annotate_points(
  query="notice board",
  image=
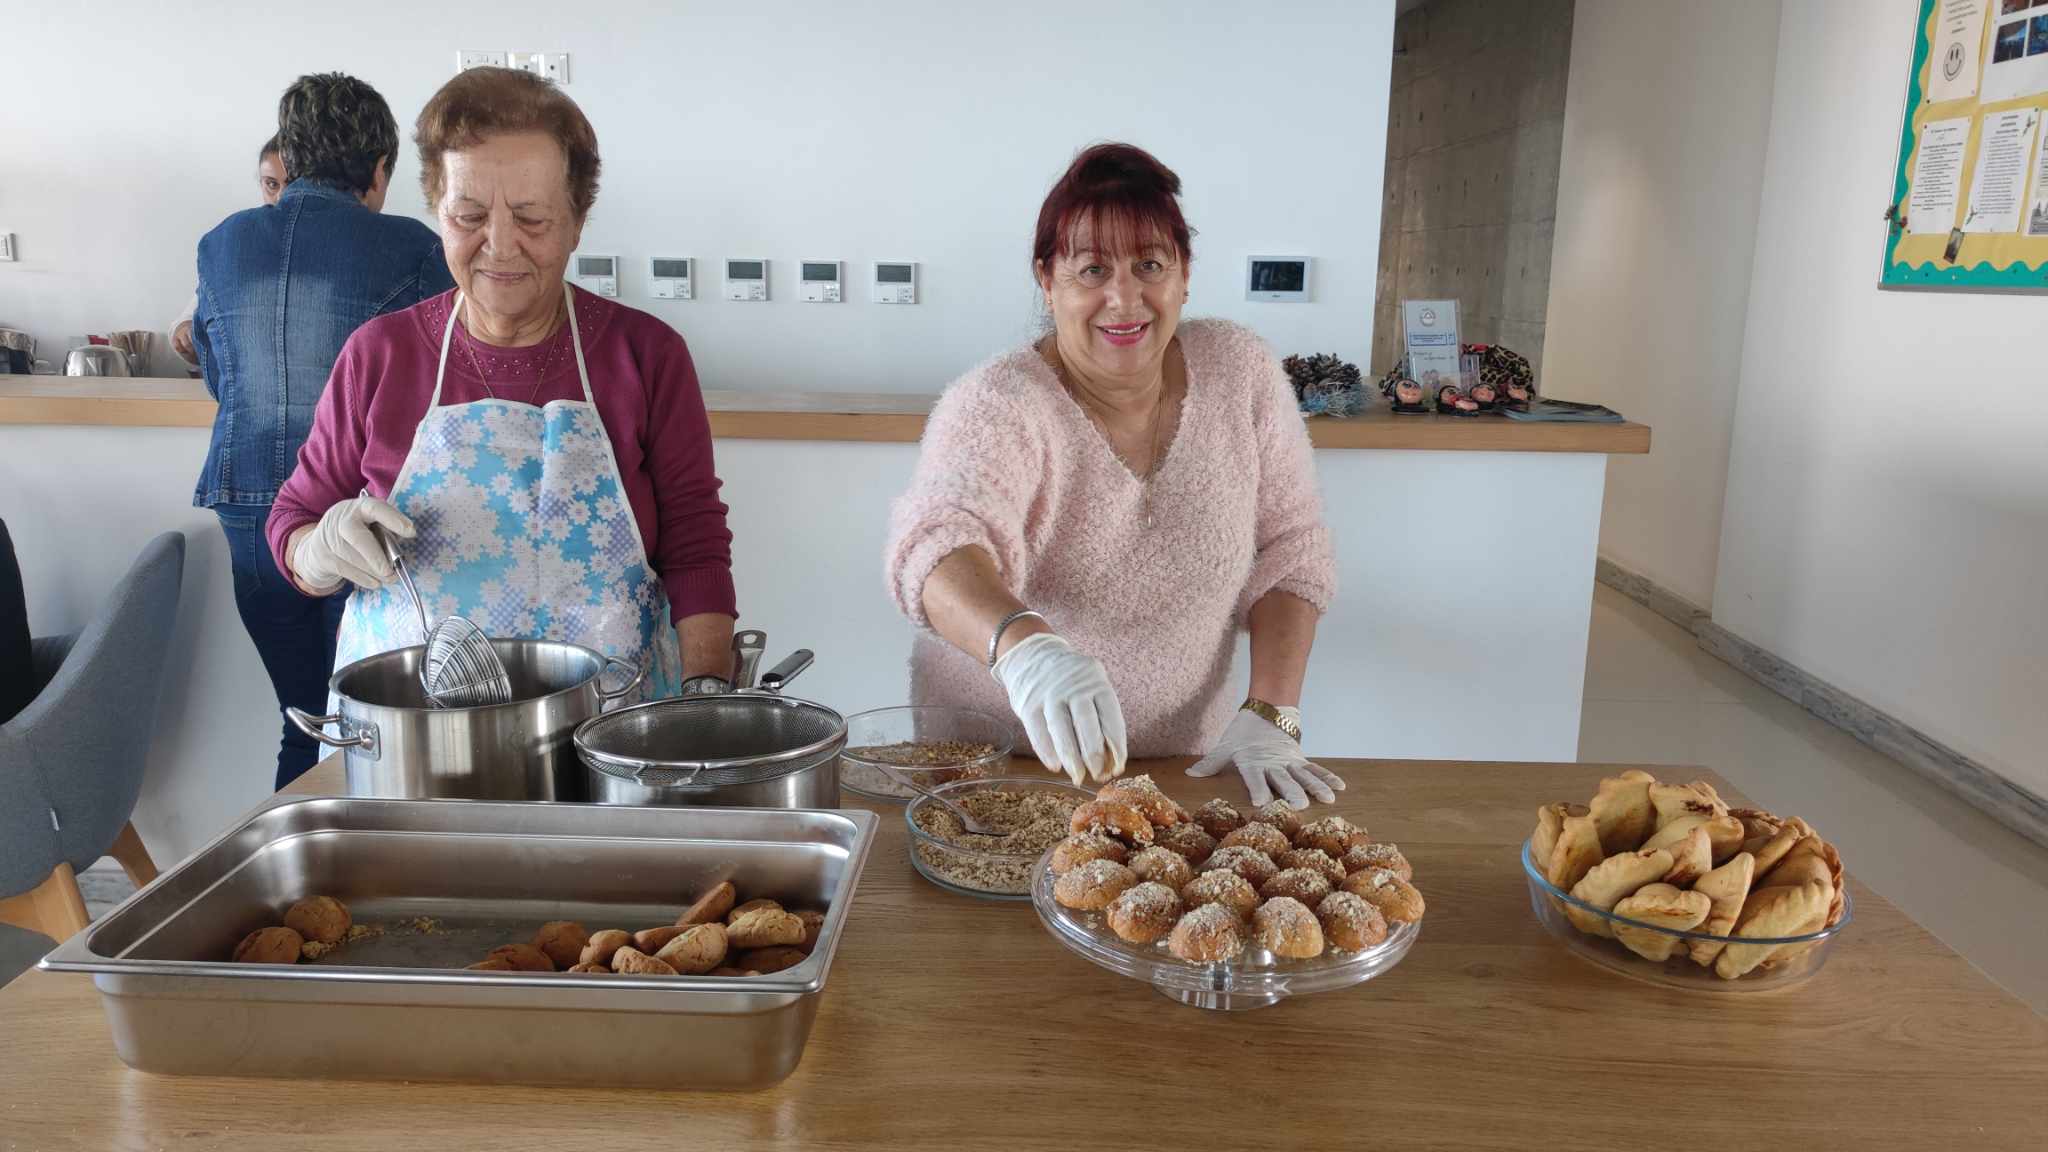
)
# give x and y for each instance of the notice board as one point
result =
(1970, 196)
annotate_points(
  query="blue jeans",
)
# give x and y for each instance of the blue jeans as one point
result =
(294, 633)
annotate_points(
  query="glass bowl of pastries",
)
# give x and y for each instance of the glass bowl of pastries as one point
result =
(1667, 883)
(1225, 910)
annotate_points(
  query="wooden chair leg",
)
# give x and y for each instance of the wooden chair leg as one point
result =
(56, 907)
(132, 856)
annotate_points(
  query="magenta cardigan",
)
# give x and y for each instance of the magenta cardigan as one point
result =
(646, 391)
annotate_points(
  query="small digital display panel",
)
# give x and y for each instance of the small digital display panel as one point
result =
(892, 273)
(828, 272)
(672, 269)
(1279, 275)
(746, 270)
(594, 266)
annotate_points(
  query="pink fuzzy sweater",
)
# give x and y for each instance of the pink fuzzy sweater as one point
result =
(1010, 463)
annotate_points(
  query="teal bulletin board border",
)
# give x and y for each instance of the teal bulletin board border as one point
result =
(1928, 275)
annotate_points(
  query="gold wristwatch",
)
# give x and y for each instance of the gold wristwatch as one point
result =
(1273, 716)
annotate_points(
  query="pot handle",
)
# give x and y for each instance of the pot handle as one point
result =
(316, 727)
(619, 693)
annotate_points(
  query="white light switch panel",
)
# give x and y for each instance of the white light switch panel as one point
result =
(6, 246)
(469, 58)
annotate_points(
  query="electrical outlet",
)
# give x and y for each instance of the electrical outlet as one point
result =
(468, 58)
(546, 65)
(527, 61)
(7, 246)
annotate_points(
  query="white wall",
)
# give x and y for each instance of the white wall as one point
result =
(738, 130)
(1666, 115)
(1887, 508)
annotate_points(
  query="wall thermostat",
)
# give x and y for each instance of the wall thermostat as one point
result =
(1277, 279)
(670, 276)
(599, 274)
(746, 279)
(895, 283)
(820, 281)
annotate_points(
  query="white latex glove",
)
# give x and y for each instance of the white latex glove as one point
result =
(1068, 708)
(340, 547)
(1261, 752)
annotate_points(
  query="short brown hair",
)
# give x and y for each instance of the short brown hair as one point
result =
(1124, 193)
(483, 102)
(333, 129)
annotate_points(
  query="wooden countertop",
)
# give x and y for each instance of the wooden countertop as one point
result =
(851, 416)
(956, 1023)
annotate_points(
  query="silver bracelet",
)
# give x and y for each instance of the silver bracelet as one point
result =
(997, 639)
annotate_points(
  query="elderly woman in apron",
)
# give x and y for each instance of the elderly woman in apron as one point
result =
(541, 454)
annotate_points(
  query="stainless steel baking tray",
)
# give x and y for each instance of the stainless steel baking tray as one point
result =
(400, 1005)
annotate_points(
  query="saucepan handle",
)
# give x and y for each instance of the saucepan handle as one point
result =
(365, 737)
(619, 693)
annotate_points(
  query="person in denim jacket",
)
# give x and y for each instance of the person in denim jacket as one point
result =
(281, 287)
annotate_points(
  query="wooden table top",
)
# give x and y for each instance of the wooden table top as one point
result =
(956, 1023)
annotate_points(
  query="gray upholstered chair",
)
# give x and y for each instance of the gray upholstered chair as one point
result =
(71, 762)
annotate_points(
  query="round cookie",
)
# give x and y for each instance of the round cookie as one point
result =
(1162, 865)
(1142, 793)
(1351, 922)
(269, 946)
(1207, 934)
(1280, 814)
(1333, 834)
(524, 957)
(1223, 887)
(1305, 885)
(1262, 837)
(1113, 817)
(321, 918)
(1386, 856)
(1286, 928)
(1190, 840)
(1316, 859)
(1250, 863)
(1092, 886)
(563, 941)
(1079, 849)
(1144, 912)
(1396, 899)
(1219, 818)
(604, 945)
(634, 962)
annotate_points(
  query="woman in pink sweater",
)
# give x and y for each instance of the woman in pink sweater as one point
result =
(1094, 516)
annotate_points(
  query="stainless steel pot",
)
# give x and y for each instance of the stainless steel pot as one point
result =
(400, 747)
(97, 360)
(745, 749)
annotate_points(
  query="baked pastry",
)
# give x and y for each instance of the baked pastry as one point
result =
(1621, 811)
(563, 941)
(1609, 881)
(740, 910)
(1773, 849)
(1219, 818)
(1142, 793)
(1144, 912)
(1262, 838)
(765, 927)
(1191, 841)
(1577, 850)
(603, 945)
(1351, 922)
(1092, 886)
(1772, 912)
(1305, 885)
(524, 957)
(1082, 847)
(490, 964)
(1377, 855)
(634, 962)
(1207, 934)
(1317, 860)
(1727, 887)
(1280, 814)
(1673, 801)
(1333, 834)
(1797, 869)
(1396, 898)
(712, 905)
(1224, 887)
(761, 961)
(1691, 858)
(814, 924)
(1163, 866)
(1665, 907)
(1246, 861)
(1114, 818)
(269, 946)
(321, 918)
(1549, 823)
(729, 970)
(1724, 834)
(652, 940)
(699, 949)
(581, 968)
(1285, 927)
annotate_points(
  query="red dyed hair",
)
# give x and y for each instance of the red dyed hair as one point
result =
(1125, 196)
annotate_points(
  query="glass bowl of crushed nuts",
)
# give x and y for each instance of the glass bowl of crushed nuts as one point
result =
(930, 745)
(1029, 814)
